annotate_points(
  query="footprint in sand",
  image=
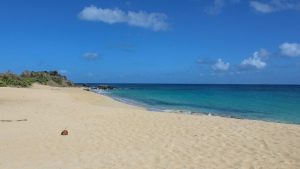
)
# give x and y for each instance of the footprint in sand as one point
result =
(13, 120)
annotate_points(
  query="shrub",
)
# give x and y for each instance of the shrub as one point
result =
(10, 79)
(2, 84)
(26, 79)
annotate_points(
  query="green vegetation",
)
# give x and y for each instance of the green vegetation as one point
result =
(2, 84)
(10, 79)
(27, 78)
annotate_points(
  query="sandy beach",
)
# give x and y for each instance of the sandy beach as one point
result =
(107, 134)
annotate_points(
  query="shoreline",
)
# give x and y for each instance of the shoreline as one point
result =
(186, 112)
(105, 133)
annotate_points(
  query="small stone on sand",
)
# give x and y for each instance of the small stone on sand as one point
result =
(64, 132)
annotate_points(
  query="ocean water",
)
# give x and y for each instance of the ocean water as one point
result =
(277, 103)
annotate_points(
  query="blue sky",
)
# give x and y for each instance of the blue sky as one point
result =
(149, 41)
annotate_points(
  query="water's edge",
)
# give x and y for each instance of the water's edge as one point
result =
(187, 112)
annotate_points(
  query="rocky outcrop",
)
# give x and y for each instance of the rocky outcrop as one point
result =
(105, 87)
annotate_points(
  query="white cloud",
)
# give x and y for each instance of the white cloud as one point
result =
(261, 7)
(90, 56)
(154, 21)
(262, 53)
(220, 65)
(290, 49)
(255, 61)
(275, 5)
(218, 5)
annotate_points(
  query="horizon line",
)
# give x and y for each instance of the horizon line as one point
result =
(192, 83)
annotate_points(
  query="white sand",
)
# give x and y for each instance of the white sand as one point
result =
(106, 134)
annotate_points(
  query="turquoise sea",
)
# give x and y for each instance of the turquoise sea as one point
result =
(277, 103)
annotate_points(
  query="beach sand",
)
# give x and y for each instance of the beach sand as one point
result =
(106, 134)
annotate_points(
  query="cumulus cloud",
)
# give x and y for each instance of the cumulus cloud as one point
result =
(290, 49)
(153, 21)
(220, 65)
(258, 61)
(90, 56)
(262, 53)
(255, 61)
(275, 5)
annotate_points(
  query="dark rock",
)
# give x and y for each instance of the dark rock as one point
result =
(82, 85)
(64, 133)
(105, 87)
